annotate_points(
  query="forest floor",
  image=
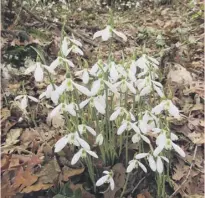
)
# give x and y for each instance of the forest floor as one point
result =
(172, 33)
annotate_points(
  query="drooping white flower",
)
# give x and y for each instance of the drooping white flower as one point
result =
(168, 106)
(121, 111)
(97, 102)
(99, 139)
(124, 85)
(127, 125)
(74, 48)
(73, 139)
(82, 153)
(135, 163)
(24, 100)
(82, 128)
(38, 68)
(108, 32)
(138, 136)
(108, 178)
(159, 163)
(60, 61)
(163, 142)
(50, 93)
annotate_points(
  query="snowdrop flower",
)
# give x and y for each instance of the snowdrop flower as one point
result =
(124, 85)
(146, 85)
(97, 102)
(159, 163)
(168, 106)
(70, 108)
(163, 142)
(38, 68)
(121, 111)
(84, 75)
(24, 100)
(50, 93)
(108, 32)
(97, 68)
(82, 129)
(138, 136)
(73, 139)
(99, 139)
(82, 153)
(108, 178)
(135, 163)
(59, 61)
(126, 125)
(74, 48)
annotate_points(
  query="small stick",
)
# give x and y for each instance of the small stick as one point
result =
(187, 177)
(138, 184)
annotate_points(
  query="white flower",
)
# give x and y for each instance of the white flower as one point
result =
(99, 139)
(97, 102)
(107, 33)
(121, 111)
(108, 178)
(135, 163)
(82, 129)
(168, 106)
(127, 125)
(38, 68)
(59, 61)
(163, 142)
(98, 68)
(74, 48)
(85, 76)
(146, 85)
(50, 93)
(82, 153)
(73, 139)
(24, 100)
(159, 163)
(138, 136)
(124, 85)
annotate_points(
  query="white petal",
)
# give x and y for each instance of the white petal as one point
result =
(112, 183)
(115, 114)
(100, 108)
(61, 143)
(85, 76)
(158, 150)
(142, 167)
(98, 34)
(82, 89)
(77, 50)
(130, 87)
(99, 139)
(106, 172)
(30, 69)
(136, 138)
(91, 130)
(18, 97)
(76, 42)
(55, 63)
(84, 103)
(131, 166)
(178, 150)
(140, 84)
(111, 86)
(38, 74)
(94, 69)
(64, 46)
(132, 116)
(102, 180)
(95, 87)
(135, 128)
(173, 110)
(24, 102)
(146, 90)
(83, 143)
(70, 63)
(145, 139)
(159, 91)
(141, 155)
(32, 98)
(55, 111)
(92, 153)
(160, 165)
(70, 109)
(152, 163)
(50, 69)
(158, 109)
(106, 33)
(120, 34)
(122, 128)
(76, 157)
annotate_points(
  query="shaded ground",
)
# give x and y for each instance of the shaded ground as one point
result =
(172, 33)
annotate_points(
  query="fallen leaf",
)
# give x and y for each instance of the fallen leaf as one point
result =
(140, 196)
(36, 187)
(196, 138)
(69, 172)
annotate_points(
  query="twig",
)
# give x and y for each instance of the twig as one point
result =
(138, 184)
(187, 177)
(67, 28)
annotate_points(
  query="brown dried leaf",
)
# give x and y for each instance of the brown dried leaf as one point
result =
(69, 172)
(36, 187)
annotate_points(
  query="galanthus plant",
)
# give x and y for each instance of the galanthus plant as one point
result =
(114, 105)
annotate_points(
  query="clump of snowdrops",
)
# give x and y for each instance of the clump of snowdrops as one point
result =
(117, 104)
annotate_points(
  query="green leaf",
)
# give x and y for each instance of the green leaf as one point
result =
(60, 196)
(66, 190)
(78, 193)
